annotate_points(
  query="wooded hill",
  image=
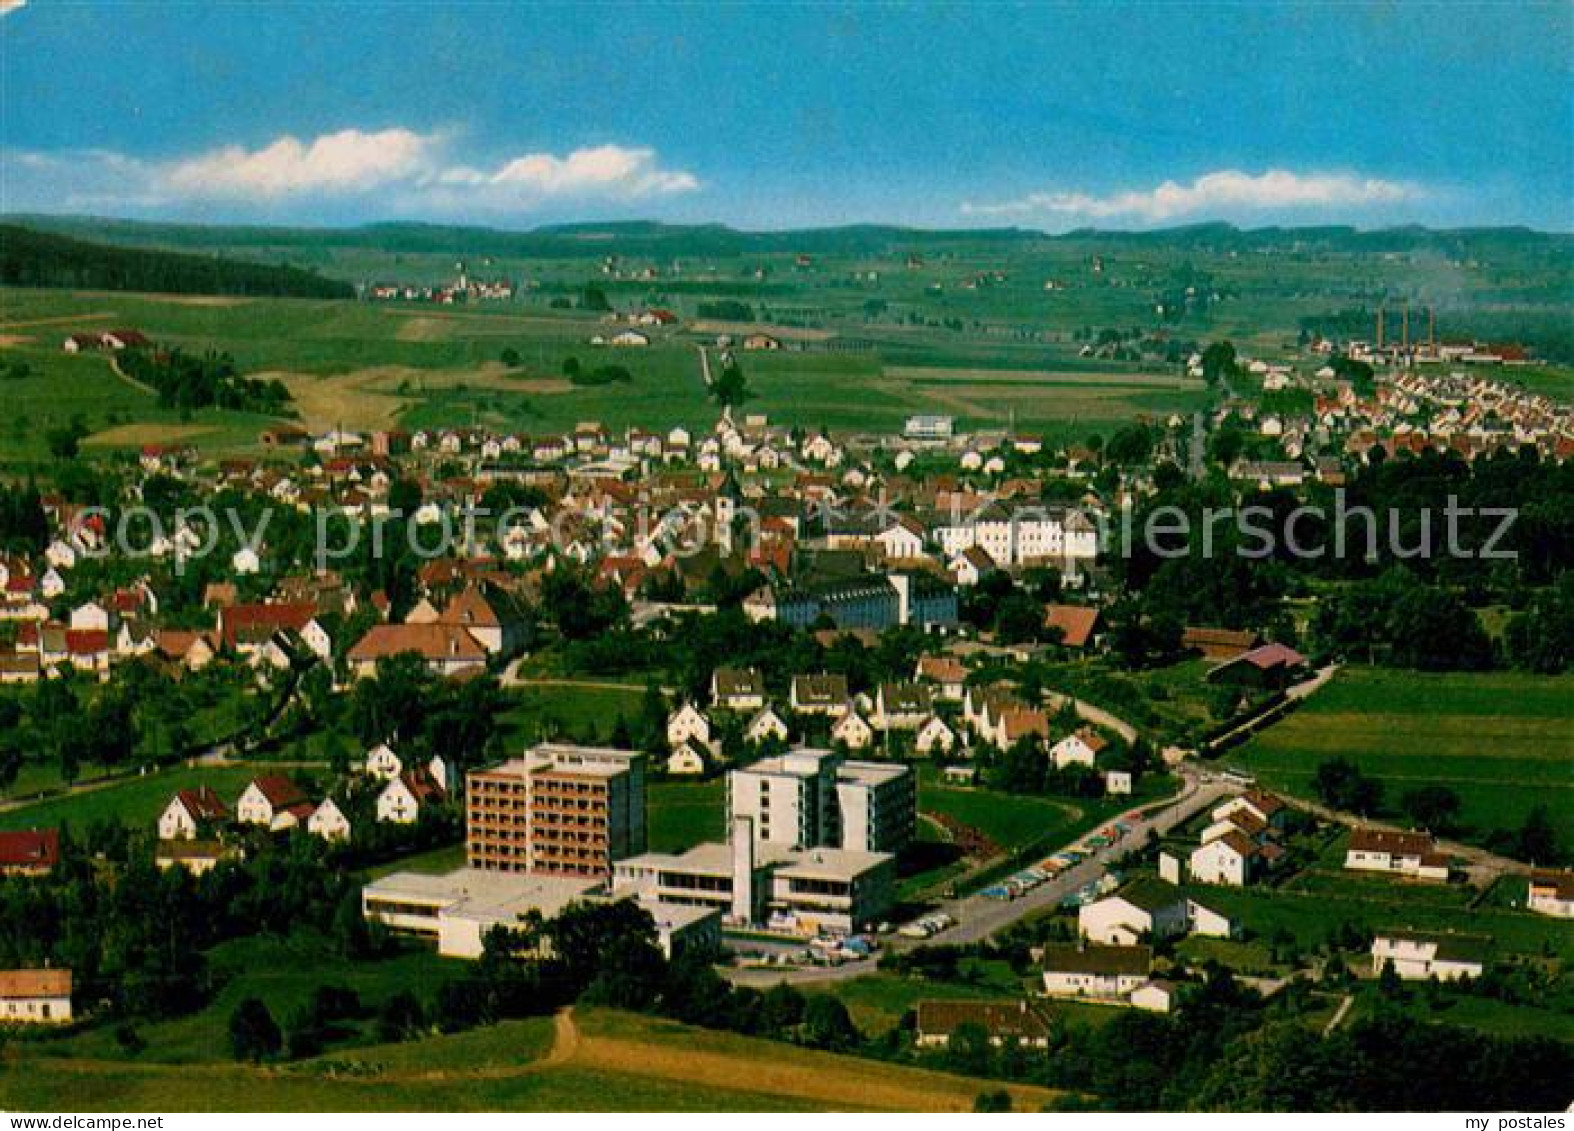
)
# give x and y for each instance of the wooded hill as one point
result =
(40, 259)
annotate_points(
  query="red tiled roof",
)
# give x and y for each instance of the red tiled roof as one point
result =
(33, 848)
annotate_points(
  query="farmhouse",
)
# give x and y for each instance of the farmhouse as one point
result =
(35, 997)
(1219, 643)
(1417, 957)
(1023, 1023)
(1413, 854)
(1552, 893)
(1106, 972)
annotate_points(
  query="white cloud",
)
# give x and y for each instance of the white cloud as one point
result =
(604, 170)
(1226, 192)
(347, 161)
(9, 6)
(414, 170)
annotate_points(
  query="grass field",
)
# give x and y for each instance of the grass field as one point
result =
(601, 1062)
(680, 814)
(1503, 741)
(566, 710)
(368, 366)
(1310, 913)
(134, 801)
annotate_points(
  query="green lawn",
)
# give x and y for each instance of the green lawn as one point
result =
(134, 801)
(680, 814)
(283, 973)
(1311, 915)
(567, 711)
(1010, 820)
(1503, 741)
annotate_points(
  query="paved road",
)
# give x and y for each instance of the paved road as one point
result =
(977, 917)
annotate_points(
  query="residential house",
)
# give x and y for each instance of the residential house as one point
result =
(1155, 995)
(946, 673)
(448, 650)
(901, 706)
(272, 801)
(328, 822)
(1152, 909)
(35, 997)
(934, 736)
(1024, 1023)
(189, 811)
(1410, 854)
(383, 763)
(1077, 624)
(818, 694)
(688, 759)
(765, 726)
(1233, 859)
(401, 800)
(1079, 749)
(688, 725)
(737, 689)
(1552, 893)
(852, 731)
(1108, 973)
(1444, 955)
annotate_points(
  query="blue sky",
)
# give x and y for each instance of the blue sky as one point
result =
(1047, 115)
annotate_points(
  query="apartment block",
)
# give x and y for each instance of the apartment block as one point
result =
(559, 810)
(814, 799)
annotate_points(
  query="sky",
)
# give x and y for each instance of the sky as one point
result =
(1051, 115)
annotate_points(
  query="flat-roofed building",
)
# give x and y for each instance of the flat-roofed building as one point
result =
(809, 891)
(456, 911)
(809, 798)
(879, 805)
(559, 810)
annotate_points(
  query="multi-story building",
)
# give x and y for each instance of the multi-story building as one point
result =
(791, 799)
(813, 798)
(878, 804)
(557, 811)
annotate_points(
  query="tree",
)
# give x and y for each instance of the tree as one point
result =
(827, 1024)
(1434, 807)
(254, 1035)
(1218, 363)
(968, 1050)
(400, 1018)
(510, 357)
(997, 1101)
(730, 388)
(1538, 838)
(1340, 784)
(594, 298)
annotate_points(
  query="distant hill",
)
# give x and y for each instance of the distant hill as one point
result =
(657, 240)
(30, 258)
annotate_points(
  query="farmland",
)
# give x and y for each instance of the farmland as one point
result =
(597, 1061)
(1503, 741)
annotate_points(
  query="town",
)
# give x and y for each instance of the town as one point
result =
(795, 558)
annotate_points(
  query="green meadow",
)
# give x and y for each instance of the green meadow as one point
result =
(1503, 741)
